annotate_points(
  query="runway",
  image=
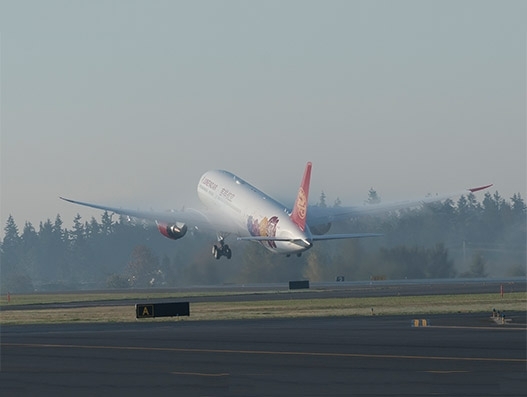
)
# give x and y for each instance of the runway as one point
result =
(377, 355)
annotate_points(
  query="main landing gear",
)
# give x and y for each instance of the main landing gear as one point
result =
(222, 250)
(298, 255)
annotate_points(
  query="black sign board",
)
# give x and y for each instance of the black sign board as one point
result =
(172, 309)
(299, 284)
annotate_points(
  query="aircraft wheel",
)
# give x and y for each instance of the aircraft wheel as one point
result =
(227, 251)
(216, 252)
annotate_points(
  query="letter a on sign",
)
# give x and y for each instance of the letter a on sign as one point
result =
(142, 311)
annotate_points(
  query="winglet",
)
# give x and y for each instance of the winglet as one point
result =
(477, 189)
(300, 209)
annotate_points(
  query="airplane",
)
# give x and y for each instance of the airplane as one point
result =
(234, 206)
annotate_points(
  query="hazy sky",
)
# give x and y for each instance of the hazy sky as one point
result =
(130, 102)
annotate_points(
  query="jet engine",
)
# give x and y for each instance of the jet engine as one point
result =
(172, 232)
(320, 229)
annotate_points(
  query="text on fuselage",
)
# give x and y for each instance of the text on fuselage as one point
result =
(226, 194)
(210, 184)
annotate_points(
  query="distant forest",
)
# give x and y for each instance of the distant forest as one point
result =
(463, 238)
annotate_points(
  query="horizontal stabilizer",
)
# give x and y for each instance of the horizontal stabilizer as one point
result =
(300, 242)
(265, 238)
(344, 236)
(314, 238)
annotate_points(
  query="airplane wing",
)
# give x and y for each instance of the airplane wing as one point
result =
(191, 217)
(323, 215)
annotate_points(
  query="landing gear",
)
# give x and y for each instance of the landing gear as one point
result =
(298, 255)
(221, 250)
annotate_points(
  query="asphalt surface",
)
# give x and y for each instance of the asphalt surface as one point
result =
(455, 355)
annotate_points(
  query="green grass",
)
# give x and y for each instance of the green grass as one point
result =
(243, 309)
(362, 306)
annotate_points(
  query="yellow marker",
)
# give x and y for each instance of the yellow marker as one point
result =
(145, 311)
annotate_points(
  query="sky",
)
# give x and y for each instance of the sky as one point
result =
(128, 103)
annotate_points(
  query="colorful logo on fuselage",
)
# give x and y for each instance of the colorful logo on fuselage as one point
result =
(263, 228)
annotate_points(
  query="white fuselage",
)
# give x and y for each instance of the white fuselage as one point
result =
(252, 212)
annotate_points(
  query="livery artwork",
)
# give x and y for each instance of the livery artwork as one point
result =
(263, 228)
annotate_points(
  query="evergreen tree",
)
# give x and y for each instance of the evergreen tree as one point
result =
(59, 250)
(322, 201)
(78, 252)
(106, 224)
(29, 244)
(78, 233)
(46, 271)
(373, 197)
(93, 228)
(10, 253)
(518, 205)
(53, 267)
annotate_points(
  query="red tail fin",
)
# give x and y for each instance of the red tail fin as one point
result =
(300, 209)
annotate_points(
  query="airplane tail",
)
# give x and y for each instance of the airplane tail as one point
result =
(300, 209)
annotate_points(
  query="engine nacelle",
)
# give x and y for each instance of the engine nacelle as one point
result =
(320, 229)
(173, 232)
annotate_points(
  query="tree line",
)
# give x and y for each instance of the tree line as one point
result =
(463, 238)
